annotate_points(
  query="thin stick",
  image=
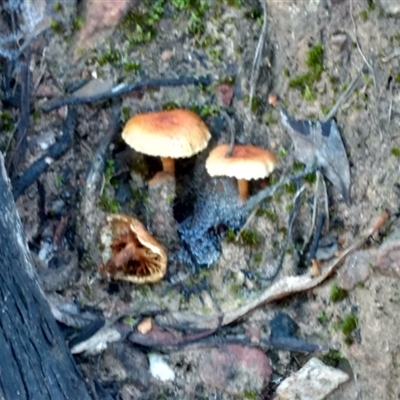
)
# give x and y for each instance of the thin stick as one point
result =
(232, 132)
(390, 57)
(314, 212)
(354, 84)
(292, 217)
(247, 223)
(255, 70)
(270, 190)
(391, 102)
(358, 44)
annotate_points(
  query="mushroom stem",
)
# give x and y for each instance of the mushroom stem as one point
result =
(168, 164)
(243, 187)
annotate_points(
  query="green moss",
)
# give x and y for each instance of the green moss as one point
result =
(363, 15)
(305, 82)
(230, 235)
(110, 56)
(196, 10)
(205, 110)
(228, 80)
(56, 26)
(290, 188)
(255, 104)
(257, 258)
(349, 324)
(332, 358)
(322, 318)
(286, 72)
(171, 105)
(395, 151)
(254, 14)
(77, 24)
(106, 202)
(315, 59)
(6, 122)
(131, 66)
(250, 237)
(250, 395)
(325, 109)
(282, 152)
(397, 78)
(371, 5)
(267, 213)
(311, 178)
(57, 7)
(270, 118)
(337, 293)
(140, 26)
(125, 114)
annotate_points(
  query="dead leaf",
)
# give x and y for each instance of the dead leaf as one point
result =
(320, 142)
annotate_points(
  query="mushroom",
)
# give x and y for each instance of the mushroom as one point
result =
(246, 162)
(167, 134)
(129, 252)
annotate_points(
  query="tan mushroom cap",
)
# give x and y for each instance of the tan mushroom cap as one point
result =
(175, 133)
(129, 252)
(246, 162)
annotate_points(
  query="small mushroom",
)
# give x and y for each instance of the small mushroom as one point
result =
(167, 134)
(246, 162)
(129, 252)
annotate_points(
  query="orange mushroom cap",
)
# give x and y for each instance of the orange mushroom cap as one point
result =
(246, 162)
(174, 133)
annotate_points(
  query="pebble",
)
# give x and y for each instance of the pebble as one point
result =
(235, 369)
(314, 381)
(355, 270)
(159, 369)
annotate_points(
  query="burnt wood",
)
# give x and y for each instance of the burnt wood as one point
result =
(35, 362)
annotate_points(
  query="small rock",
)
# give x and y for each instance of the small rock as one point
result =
(388, 259)
(283, 326)
(338, 40)
(235, 369)
(391, 7)
(356, 269)
(166, 55)
(159, 369)
(314, 381)
(225, 93)
(123, 363)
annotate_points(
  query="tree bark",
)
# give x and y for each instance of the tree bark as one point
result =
(35, 362)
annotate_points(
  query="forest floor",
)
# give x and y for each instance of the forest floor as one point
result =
(313, 50)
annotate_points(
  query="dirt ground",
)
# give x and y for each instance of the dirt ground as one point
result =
(133, 41)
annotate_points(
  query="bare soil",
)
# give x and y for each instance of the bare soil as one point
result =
(222, 45)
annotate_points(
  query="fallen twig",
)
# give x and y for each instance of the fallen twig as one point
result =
(122, 89)
(354, 84)
(292, 217)
(270, 190)
(285, 287)
(371, 69)
(54, 152)
(255, 70)
(390, 57)
(89, 211)
(317, 236)
(232, 132)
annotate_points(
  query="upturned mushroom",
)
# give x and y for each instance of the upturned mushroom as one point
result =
(167, 134)
(129, 252)
(246, 162)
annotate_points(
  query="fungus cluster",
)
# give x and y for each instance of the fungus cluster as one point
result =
(129, 252)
